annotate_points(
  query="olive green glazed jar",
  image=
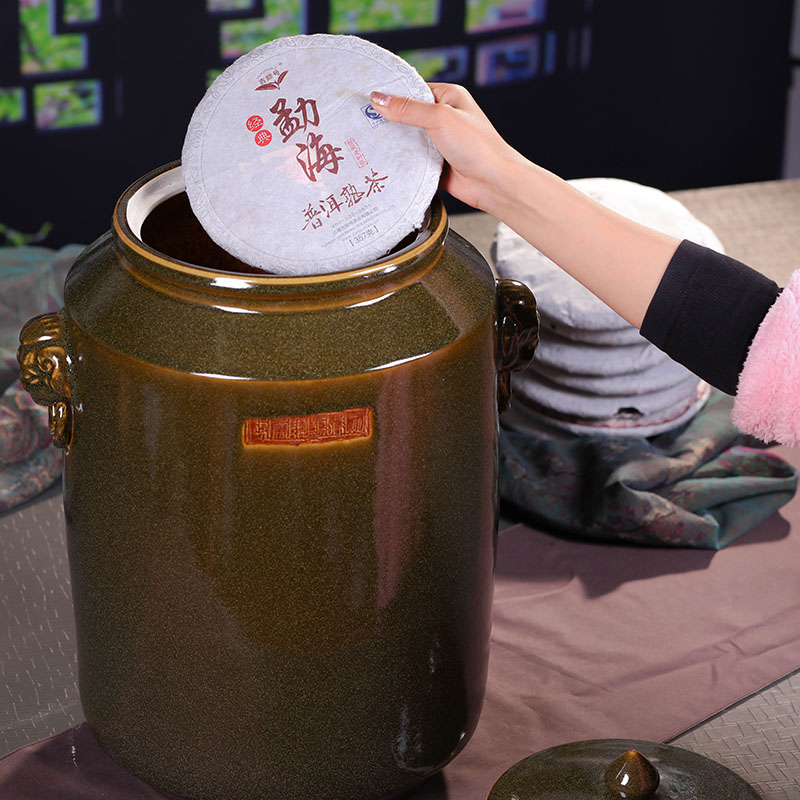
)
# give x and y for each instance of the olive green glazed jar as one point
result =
(281, 503)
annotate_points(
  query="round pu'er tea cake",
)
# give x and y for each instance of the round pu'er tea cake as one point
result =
(288, 166)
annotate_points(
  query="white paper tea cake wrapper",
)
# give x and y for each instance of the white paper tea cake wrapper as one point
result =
(290, 169)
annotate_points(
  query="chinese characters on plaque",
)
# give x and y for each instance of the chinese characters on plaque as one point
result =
(328, 426)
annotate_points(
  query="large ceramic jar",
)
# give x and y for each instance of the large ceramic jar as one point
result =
(280, 496)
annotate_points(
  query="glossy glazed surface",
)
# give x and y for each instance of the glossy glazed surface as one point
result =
(631, 776)
(579, 771)
(276, 620)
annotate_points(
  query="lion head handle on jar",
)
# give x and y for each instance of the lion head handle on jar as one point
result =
(44, 371)
(517, 334)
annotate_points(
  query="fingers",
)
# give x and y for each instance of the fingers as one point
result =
(405, 109)
(453, 95)
(448, 97)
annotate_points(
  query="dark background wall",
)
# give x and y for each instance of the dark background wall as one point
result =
(671, 93)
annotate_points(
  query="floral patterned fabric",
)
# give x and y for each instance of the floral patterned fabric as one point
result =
(697, 486)
(31, 283)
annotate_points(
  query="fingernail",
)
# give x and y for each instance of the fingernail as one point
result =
(379, 99)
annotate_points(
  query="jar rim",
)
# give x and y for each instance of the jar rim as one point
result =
(144, 195)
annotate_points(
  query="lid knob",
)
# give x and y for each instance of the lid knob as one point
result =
(631, 777)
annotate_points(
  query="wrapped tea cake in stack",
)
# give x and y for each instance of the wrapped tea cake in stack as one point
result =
(290, 169)
(593, 373)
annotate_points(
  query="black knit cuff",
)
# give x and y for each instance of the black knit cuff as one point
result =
(706, 312)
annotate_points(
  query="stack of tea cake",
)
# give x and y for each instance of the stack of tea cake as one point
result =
(593, 373)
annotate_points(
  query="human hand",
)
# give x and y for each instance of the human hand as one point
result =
(620, 261)
(477, 156)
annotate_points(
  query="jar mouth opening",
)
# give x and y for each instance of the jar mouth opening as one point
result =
(149, 196)
(154, 217)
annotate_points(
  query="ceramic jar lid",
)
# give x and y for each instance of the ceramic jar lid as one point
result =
(619, 769)
(289, 168)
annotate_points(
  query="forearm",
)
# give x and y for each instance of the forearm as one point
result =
(705, 310)
(620, 261)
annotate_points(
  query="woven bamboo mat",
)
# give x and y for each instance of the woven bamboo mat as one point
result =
(758, 739)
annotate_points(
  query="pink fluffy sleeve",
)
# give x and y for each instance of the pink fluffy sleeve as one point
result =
(767, 402)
